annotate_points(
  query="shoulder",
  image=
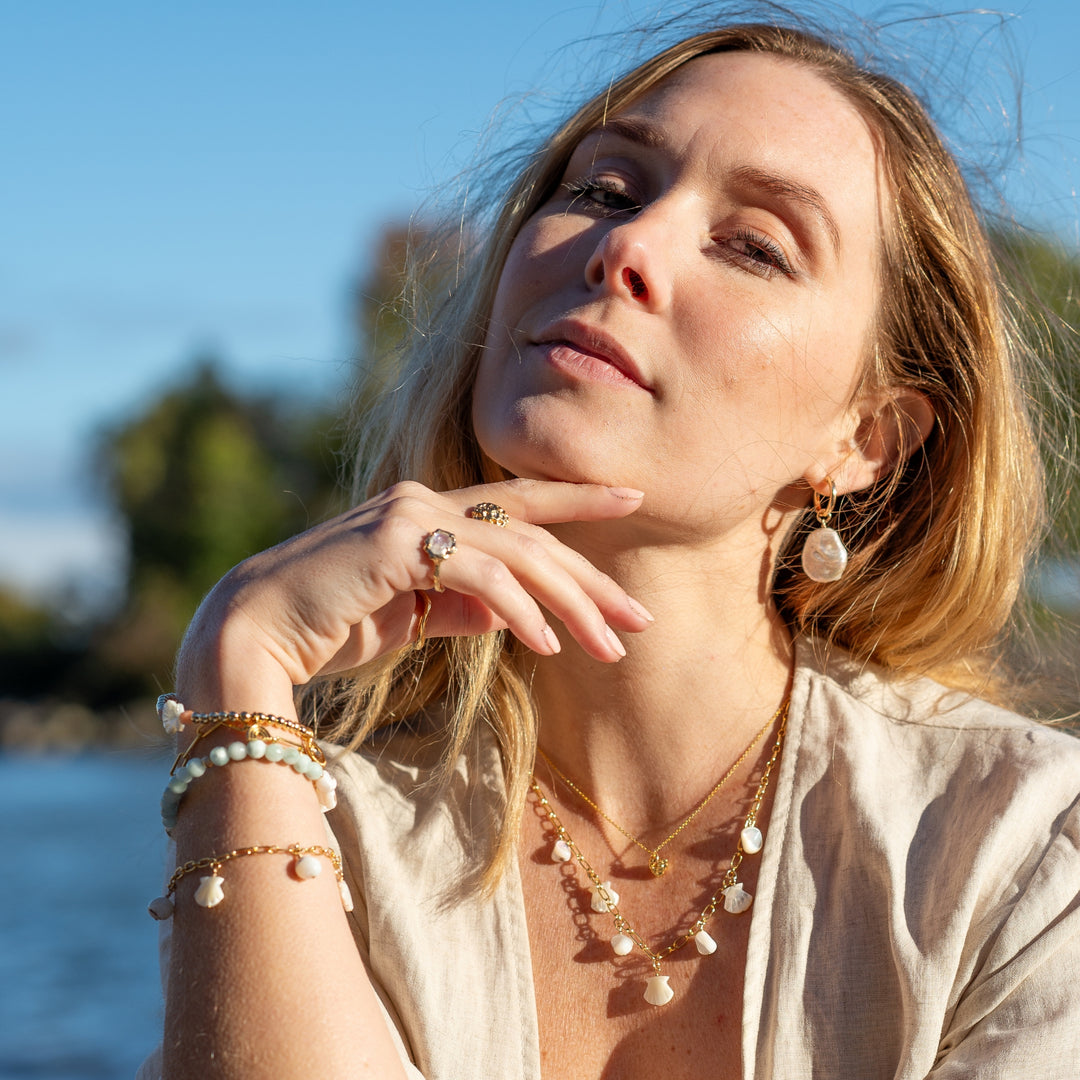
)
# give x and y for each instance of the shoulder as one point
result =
(925, 732)
(911, 780)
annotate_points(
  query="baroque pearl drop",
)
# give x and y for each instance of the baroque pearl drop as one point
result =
(657, 991)
(346, 895)
(598, 903)
(560, 852)
(824, 555)
(751, 840)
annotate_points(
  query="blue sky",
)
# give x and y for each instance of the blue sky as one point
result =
(210, 176)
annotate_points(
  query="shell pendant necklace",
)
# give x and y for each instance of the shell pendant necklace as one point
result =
(735, 899)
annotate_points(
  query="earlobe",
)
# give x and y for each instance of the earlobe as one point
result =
(888, 430)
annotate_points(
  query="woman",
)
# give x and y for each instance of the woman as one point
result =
(739, 310)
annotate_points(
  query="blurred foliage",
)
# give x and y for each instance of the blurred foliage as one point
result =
(203, 478)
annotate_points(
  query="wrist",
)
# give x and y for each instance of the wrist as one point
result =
(225, 664)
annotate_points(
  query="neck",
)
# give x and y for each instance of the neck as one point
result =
(648, 736)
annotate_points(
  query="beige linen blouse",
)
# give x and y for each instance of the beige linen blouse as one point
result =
(917, 910)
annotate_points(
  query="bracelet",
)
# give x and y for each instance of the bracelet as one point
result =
(174, 715)
(255, 732)
(210, 892)
(258, 750)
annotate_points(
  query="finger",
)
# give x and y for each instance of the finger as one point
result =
(552, 502)
(514, 584)
(545, 502)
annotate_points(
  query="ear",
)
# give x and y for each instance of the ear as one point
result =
(888, 428)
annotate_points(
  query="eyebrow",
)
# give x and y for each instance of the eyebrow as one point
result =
(645, 134)
(785, 188)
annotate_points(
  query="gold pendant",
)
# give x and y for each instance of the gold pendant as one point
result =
(657, 865)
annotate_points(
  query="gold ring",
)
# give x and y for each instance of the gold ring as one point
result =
(438, 547)
(422, 598)
(492, 512)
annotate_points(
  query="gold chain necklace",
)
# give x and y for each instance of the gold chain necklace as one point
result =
(657, 865)
(731, 893)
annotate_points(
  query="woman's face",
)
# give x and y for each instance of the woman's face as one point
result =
(689, 312)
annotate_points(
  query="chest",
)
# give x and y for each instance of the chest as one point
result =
(593, 1019)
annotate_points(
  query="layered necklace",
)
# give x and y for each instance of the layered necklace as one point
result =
(734, 898)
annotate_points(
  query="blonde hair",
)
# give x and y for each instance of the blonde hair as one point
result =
(938, 547)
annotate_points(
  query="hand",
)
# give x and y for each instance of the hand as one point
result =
(342, 593)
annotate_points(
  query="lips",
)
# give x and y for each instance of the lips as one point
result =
(591, 342)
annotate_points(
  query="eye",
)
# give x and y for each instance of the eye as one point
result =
(757, 252)
(600, 196)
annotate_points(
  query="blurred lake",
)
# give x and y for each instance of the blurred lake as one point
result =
(83, 850)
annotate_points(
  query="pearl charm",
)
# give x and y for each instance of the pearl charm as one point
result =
(824, 556)
(622, 944)
(560, 851)
(751, 840)
(345, 894)
(161, 908)
(307, 867)
(598, 903)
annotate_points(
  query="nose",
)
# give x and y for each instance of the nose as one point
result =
(633, 261)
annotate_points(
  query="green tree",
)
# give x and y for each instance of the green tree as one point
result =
(203, 478)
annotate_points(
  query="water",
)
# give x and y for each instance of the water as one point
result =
(82, 850)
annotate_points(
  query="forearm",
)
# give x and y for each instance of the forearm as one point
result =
(268, 982)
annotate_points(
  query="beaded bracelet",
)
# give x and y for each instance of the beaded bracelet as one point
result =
(257, 750)
(210, 892)
(174, 715)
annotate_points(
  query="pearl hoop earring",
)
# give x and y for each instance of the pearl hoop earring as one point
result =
(824, 556)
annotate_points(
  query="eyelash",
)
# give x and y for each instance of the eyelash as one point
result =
(589, 186)
(587, 189)
(778, 261)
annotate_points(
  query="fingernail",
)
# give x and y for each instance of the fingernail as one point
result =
(614, 641)
(551, 639)
(639, 609)
(627, 493)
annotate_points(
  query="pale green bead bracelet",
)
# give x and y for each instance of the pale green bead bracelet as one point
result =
(256, 750)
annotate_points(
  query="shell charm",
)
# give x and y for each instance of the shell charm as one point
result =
(657, 991)
(657, 865)
(704, 943)
(560, 851)
(736, 899)
(751, 840)
(209, 893)
(622, 944)
(170, 710)
(824, 556)
(598, 903)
